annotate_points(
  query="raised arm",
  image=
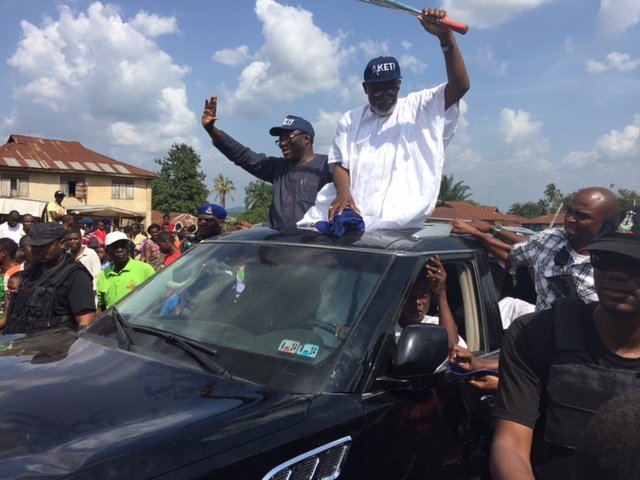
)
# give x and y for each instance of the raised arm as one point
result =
(497, 247)
(457, 77)
(437, 283)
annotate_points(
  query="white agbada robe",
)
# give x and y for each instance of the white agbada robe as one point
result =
(395, 162)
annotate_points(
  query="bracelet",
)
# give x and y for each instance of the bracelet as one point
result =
(448, 47)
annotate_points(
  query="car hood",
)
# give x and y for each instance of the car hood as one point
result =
(70, 404)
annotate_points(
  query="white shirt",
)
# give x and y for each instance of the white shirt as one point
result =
(15, 233)
(395, 162)
(431, 320)
(89, 258)
(512, 308)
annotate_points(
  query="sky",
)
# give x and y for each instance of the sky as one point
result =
(555, 84)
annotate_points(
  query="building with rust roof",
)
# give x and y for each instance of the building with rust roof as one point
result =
(447, 211)
(33, 169)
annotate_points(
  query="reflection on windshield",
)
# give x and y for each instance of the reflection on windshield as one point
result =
(273, 311)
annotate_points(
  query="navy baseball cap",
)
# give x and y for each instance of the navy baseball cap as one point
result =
(382, 69)
(620, 233)
(291, 123)
(212, 209)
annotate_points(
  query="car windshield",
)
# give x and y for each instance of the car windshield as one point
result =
(276, 315)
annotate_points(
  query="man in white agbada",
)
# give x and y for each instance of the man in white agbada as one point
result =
(389, 153)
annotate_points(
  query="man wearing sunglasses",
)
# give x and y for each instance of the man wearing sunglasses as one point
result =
(389, 153)
(297, 176)
(560, 365)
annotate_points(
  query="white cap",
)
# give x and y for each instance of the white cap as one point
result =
(114, 237)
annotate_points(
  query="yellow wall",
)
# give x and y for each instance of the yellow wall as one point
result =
(43, 185)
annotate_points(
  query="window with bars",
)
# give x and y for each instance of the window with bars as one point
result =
(122, 189)
(12, 185)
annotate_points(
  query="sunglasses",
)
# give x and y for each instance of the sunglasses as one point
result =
(288, 138)
(606, 261)
(379, 92)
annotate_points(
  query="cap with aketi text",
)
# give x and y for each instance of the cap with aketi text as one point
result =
(382, 69)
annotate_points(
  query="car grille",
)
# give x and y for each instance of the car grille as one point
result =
(323, 463)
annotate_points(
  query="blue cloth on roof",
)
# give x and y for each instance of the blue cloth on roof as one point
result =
(347, 221)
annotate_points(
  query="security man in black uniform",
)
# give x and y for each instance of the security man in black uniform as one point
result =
(56, 291)
(558, 366)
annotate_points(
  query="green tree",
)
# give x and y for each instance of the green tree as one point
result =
(628, 198)
(181, 184)
(528, 209)
(552, 197)
(257, 194)
(223, 186)
(255, 216)
(453, 192)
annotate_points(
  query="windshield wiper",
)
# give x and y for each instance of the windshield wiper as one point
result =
(200, 353)
(123, 329)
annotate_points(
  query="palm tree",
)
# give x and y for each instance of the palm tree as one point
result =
(453, 192)
(223, 186)
(257, 194)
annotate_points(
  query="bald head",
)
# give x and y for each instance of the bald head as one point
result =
(585, 213)
(605, 198)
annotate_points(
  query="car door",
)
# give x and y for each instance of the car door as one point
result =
(441, 429)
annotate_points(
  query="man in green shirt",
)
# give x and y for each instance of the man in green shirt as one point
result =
(123, 274)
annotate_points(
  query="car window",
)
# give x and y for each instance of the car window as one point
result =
(262, 306)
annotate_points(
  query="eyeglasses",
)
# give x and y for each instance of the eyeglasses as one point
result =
(606, 261)
(390, 91)
(289, 137)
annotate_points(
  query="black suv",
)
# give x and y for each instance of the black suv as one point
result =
(260, 355)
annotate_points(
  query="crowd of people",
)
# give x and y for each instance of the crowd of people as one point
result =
(63, 273)
(562, 358)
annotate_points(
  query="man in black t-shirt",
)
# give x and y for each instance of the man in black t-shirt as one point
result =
(297, 176)
(56, 291)
(558, 366)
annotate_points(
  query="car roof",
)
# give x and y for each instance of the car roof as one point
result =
(428, 239)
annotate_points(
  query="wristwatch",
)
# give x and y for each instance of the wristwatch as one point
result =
(496, 230)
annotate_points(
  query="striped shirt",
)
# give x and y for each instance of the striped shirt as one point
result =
(560, 271)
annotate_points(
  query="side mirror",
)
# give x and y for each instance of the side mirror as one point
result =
(421, 350)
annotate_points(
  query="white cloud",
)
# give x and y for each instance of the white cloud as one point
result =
(285, 67)
(517, 126)
(105, 73)
(233, 57)
(616, 16)
(621, 144)
(409, 62)
(594, 66)
(153, 26)
(489, 13)
(614, 61)
(325, 127)
(484, 57)
(373, 48)
(614, 156)
(406, 45)
(569, 44)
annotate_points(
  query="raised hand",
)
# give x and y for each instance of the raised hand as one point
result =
(209, 113)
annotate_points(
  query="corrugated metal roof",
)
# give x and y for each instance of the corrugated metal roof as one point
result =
(464, 210)
(22, 151)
